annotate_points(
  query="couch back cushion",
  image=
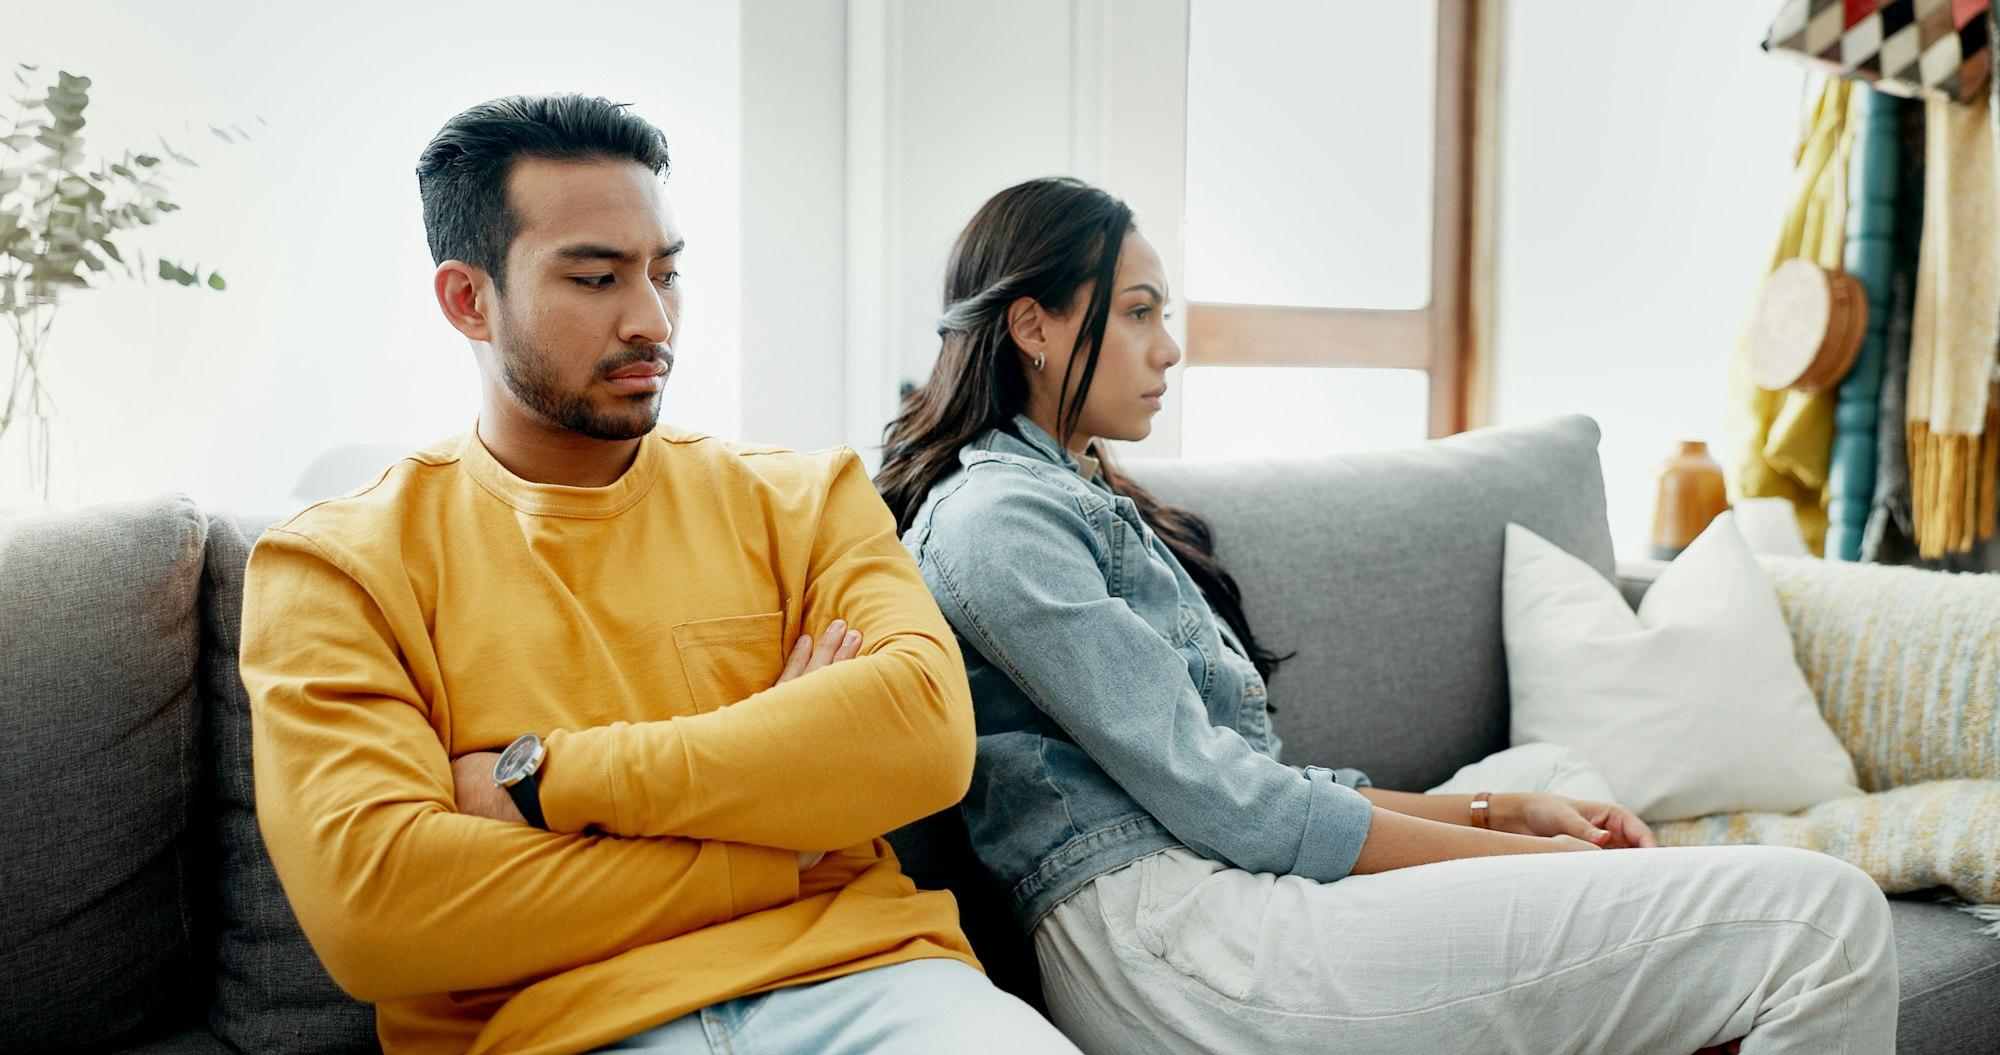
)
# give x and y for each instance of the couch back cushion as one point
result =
(1381, 571)
(271, 991)
(98, 638)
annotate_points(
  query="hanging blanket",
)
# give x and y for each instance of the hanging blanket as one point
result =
(1953, 419)
(1782, 440)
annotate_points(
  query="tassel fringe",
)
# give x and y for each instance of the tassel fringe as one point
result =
(1952, 484)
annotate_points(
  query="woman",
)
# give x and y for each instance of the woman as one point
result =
(1186, 890)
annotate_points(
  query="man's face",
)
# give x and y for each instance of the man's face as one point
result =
(584, 334)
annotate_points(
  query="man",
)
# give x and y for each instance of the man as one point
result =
(681, 846)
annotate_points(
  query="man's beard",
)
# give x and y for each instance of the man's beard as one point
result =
(525, 370)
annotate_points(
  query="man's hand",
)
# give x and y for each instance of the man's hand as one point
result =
(1604, 825)
(476, 793)
(840, 642)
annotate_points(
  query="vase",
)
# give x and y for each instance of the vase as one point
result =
(1691, 495)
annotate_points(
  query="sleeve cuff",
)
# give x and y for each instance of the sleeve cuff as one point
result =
(1352, 778)
(760, 878)
(1337, 822)
(575, 786)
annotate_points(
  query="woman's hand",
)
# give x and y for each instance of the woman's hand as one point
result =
(1604, 825)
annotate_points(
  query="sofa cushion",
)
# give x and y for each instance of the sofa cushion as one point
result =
(271, 991)
(1381, 571)
(98, 638)
(197, 1041)
(1950, 980)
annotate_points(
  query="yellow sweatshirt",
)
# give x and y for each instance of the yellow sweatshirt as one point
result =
(451, 606)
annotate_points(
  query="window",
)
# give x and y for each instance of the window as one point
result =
(1328, 182)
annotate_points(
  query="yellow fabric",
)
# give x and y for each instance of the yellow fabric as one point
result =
(1785, 439)
(1952, 416)
(451, 606)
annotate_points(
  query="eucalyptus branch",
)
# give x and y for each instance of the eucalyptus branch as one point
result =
(61, 222)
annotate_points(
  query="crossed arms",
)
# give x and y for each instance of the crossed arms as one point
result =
(404, 894)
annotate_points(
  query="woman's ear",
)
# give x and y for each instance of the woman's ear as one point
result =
(1028, 325)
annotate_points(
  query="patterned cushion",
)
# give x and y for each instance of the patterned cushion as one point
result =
(1903, 47)
(100, 759)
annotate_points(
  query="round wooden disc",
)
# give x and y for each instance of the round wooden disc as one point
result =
(1790, 325)
(1808, 327)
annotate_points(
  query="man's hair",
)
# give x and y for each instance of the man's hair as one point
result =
(462, 174)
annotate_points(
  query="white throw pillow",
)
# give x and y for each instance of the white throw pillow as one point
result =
(1694, 705)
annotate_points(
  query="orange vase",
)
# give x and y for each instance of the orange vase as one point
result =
(1692, 494)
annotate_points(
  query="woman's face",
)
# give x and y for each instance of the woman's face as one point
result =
(1131, 377)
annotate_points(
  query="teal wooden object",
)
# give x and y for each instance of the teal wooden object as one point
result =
(1873, 175)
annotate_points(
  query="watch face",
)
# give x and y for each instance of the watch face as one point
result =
(520, 759)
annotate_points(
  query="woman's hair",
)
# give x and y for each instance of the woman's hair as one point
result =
(1045, 240)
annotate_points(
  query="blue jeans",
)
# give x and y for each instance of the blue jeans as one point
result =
(921, 1007)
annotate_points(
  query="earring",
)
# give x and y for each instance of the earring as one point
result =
(1040, 361)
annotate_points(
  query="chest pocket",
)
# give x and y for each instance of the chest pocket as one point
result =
(1147, 582)
(729, 659)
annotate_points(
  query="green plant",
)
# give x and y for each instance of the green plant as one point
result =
(61, 228)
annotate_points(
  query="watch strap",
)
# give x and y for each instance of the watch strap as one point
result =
(527, 795)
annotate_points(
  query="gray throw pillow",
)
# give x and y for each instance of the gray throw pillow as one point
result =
(271, 991)
(99, 757)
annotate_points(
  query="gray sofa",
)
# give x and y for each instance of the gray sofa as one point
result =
(140, 912)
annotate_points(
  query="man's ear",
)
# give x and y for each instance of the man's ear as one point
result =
(1028, 325)
(465, 295)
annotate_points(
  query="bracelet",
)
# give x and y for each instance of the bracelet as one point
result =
(1482, 805)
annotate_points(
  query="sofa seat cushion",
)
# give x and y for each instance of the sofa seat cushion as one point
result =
(1950, 979)
(98, 638)
(197, 1041)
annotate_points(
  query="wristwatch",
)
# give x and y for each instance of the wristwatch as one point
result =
(516, 771)
(1482, 805)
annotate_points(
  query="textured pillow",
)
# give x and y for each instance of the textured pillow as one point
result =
(1905, 663)
(1692, 705)
(1942, 833)
(271, 991)
(100, 761)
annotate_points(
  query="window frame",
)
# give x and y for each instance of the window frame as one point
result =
(1447, 337)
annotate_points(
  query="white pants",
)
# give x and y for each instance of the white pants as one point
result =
(1646, 951)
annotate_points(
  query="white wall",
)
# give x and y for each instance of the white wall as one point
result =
(951, 101)
(794, 170)
(328, 333)
(1645, 149)
(824, 156)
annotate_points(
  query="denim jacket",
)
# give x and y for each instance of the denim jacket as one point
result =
(1117, 716)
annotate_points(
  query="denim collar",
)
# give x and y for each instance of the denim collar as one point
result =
(1038, 440)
